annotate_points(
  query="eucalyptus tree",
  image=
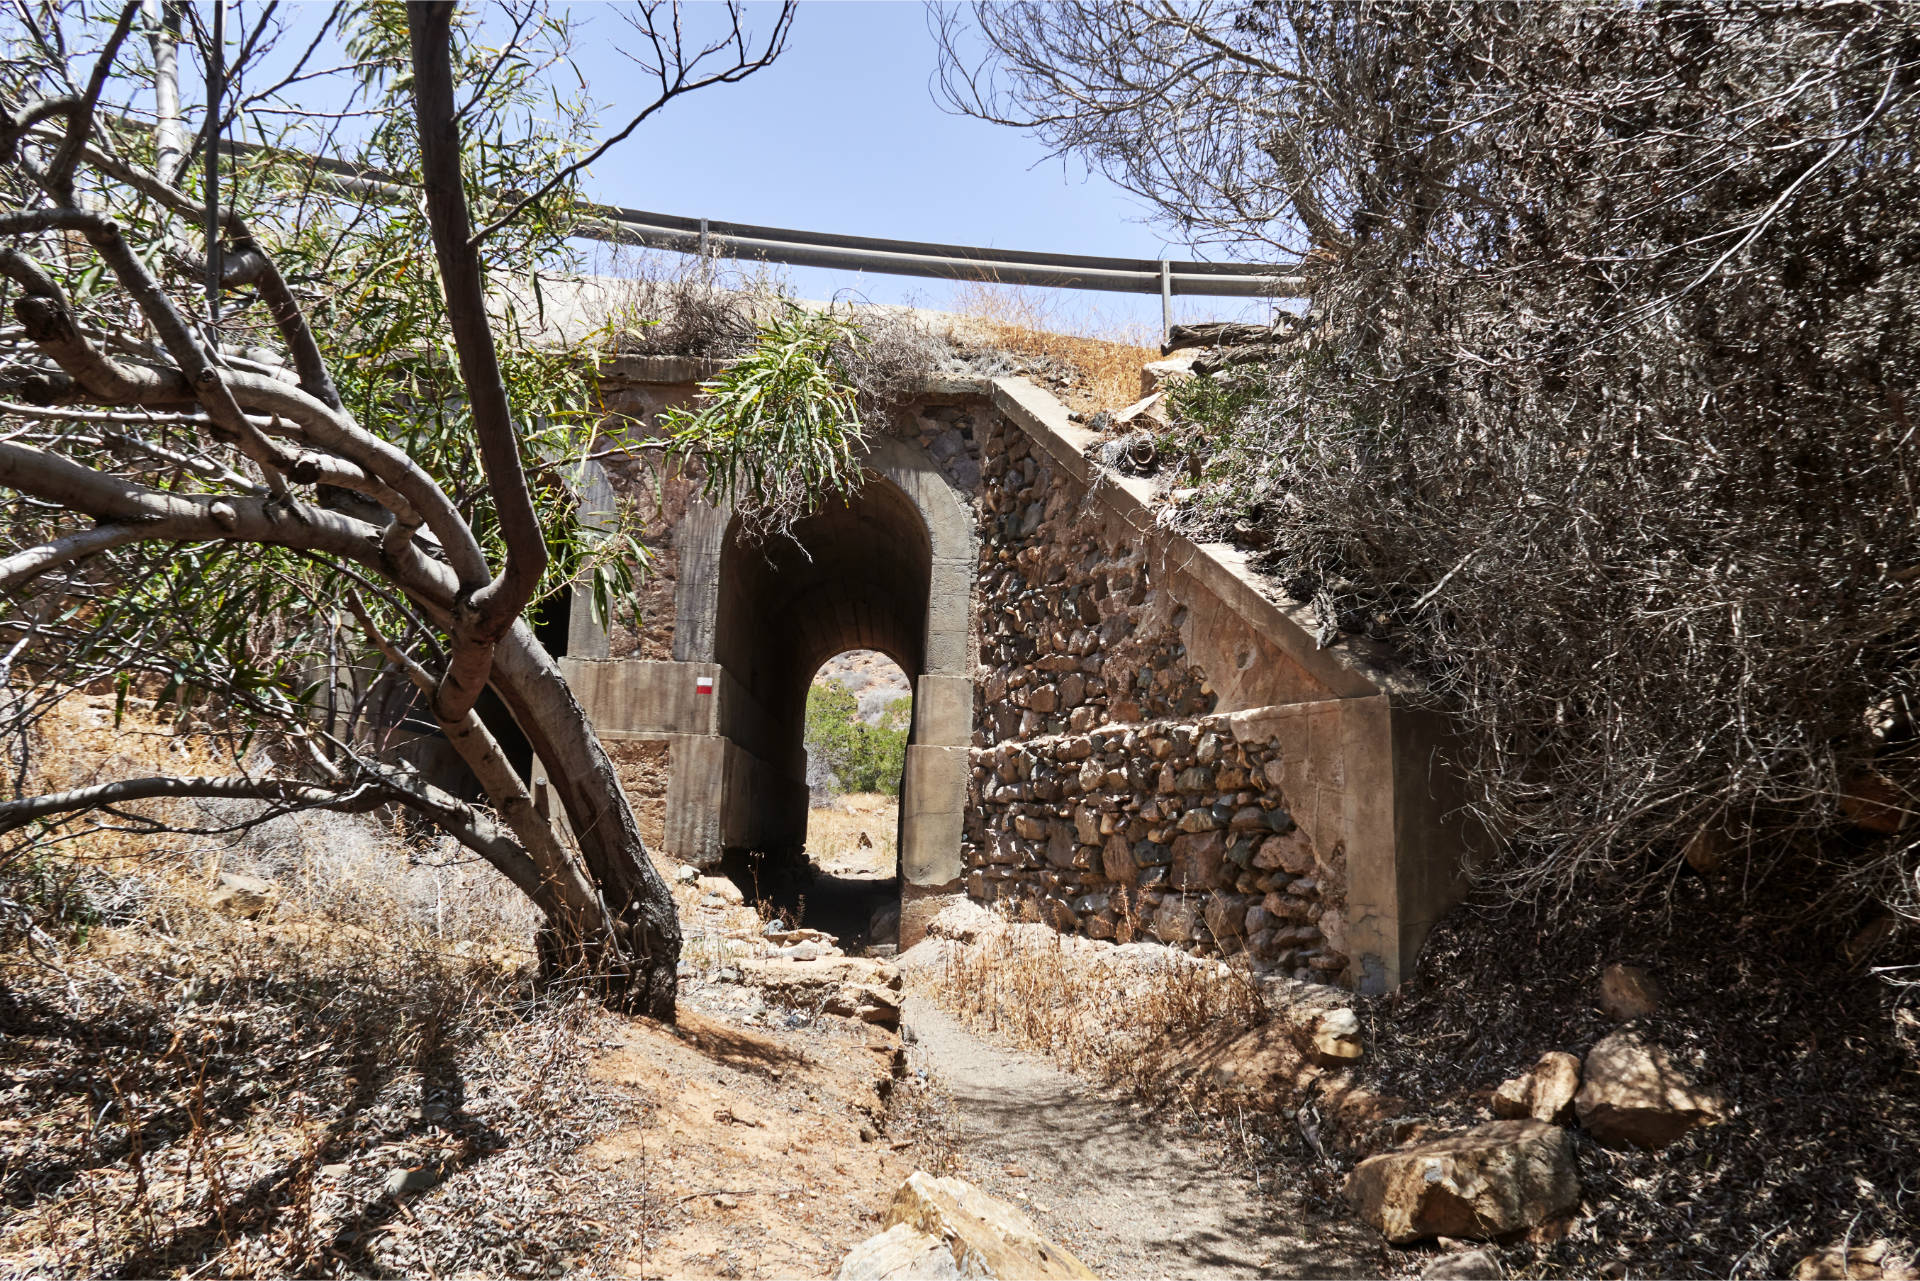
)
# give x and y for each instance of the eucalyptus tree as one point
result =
(346, 457)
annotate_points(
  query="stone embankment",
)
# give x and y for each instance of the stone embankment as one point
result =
(1175, 831)
(1101, 790)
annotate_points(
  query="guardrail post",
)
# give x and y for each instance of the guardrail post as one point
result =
(1166, 302)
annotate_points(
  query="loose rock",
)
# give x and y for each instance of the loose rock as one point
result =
(401, 1183)
(242, 896)
(1874, 1261)
(1634, 1094)
(1467, 1265)
(1492, 1180)
(1544, 1093)
(1629, 992)
(901, 1253)
(980, 1235)
(1336, 1039)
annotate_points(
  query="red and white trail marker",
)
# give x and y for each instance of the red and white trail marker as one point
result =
(703, 684)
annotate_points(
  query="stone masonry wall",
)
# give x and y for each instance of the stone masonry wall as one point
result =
(1172, 830)
(1102, 791)
(1159, 748)
(1073, 633)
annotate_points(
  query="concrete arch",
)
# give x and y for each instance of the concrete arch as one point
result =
(889, 569)
(853, 575)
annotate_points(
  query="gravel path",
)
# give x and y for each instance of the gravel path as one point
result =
(1130, 1197)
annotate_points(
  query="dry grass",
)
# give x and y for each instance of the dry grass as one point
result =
(835, 832)
(1102, 1012)
(192, 1093)
(1091, 360)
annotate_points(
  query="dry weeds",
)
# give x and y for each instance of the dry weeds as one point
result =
(1102, 1012)
(1093, 361)
(189, 1092)
(856, 834)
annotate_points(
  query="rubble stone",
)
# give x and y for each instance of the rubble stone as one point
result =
(1633, 1093)
(1493, 1180)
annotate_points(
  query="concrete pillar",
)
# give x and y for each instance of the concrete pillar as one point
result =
(943, 711)
(933, 804)
(585, 637)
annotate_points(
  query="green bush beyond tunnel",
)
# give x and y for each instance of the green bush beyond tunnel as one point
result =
(862, 757)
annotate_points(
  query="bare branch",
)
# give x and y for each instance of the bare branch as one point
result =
(486, 612)
(24, 566)
(676, 72)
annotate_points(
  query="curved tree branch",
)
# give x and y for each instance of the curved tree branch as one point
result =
(26, 565)
(485, 614)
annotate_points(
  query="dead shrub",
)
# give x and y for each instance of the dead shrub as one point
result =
(1603, 416)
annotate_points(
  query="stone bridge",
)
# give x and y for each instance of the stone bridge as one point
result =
(1111, 723)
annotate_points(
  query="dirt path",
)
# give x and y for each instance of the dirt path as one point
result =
(1130, 1197)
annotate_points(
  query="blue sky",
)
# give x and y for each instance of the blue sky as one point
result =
(843, 134)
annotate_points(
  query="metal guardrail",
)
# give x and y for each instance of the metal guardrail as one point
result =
(617, 225)
(959, 262)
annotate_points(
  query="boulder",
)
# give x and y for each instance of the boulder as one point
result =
(1874, 1261)
(1196, 860)
(1156, 374)
(850, 986)
(868, 1002)
(1175, 919)
(242, 896)
(1464, 1265)
(1226, 915)
(900, 1253)
(1491, 1181)
(980, 1237)
(1634, 1094)
(1544, 1093)
(1628, 992)
(1333, 1038)
(964, 921)
(1874, 803)
(1060, 846)
(404, 1182)
(1291, 853)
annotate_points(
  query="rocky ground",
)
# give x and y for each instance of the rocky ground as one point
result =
(1104, 1174)
(317, 1051)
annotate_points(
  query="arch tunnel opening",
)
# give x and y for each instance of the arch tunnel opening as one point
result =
(851, 579)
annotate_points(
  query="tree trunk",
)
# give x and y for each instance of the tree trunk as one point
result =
(637, 970)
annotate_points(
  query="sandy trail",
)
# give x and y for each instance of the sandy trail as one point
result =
(1132, 1198)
